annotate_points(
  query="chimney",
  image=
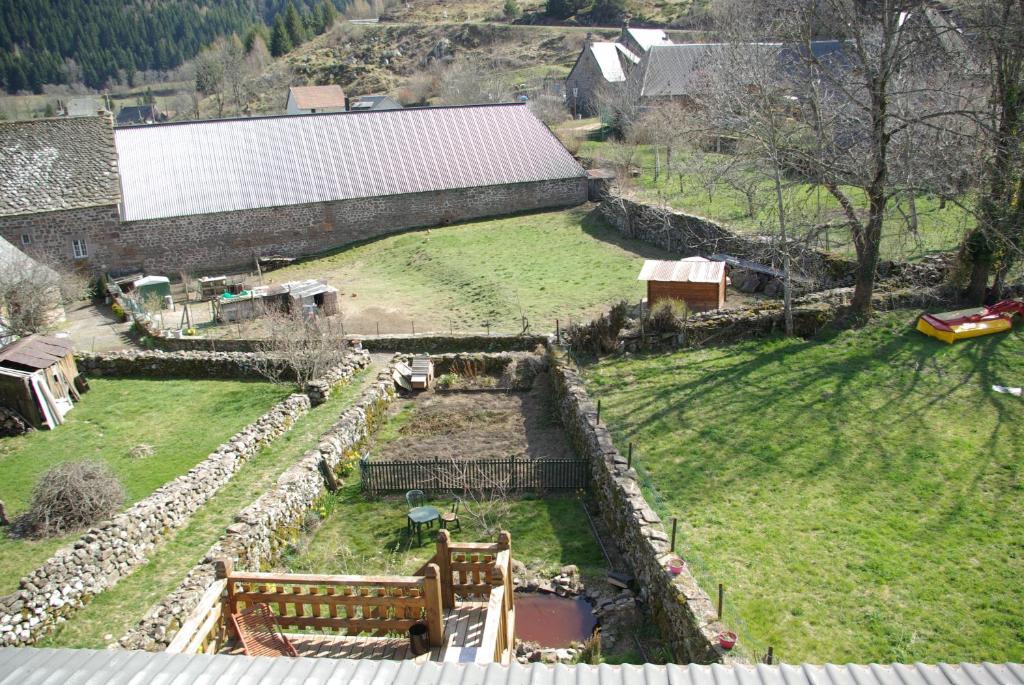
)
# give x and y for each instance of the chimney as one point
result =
(590, 39)
(625, 27)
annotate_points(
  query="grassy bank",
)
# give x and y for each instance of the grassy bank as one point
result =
(860, 496)
(118, 609)
(544, 266)
(183, 421)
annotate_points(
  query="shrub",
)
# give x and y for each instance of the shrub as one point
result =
(600, 336)
(667, 316)
(119, 311)
(71, 496)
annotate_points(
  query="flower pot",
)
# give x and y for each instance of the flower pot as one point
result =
(727, 640)
(676, 567)
(419, 642)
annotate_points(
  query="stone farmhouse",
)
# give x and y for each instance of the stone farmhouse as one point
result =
(214, 195)
(604, 65)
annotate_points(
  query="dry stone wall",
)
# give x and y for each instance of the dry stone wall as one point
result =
(274, 520)
(684, 613)
(689, 235)
(114, 549)
(226, 240)
(415, 344)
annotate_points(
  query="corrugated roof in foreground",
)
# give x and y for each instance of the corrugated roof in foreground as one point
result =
(28, 666)
(216, 166)
(689, 270)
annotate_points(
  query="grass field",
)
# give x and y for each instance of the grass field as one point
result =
(368, 536)
(118, 609)
(184, 420)
(861, 497)
(554, 265)
(939, 229)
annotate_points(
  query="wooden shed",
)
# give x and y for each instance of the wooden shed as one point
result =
(37, 379)
(697, 281)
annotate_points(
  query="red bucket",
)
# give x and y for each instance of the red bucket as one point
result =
(727, 640)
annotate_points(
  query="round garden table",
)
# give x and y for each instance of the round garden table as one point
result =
(420, 515)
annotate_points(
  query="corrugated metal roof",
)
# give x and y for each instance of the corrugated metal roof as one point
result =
(690, 270)
(36, 352)
(610, 58)
(28, 666)
(217, 166)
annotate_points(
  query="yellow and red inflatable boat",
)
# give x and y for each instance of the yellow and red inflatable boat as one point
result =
(970, 323)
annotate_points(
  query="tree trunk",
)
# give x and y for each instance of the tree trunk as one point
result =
(975, 293)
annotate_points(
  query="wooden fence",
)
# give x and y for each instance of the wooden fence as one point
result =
(480, 474)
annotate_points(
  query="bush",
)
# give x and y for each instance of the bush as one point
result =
(667, 316)
(71, 496)
(119, 311)
(600, 336)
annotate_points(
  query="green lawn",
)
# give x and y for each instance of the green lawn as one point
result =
(554, 265)
(120, 608)
(861, 497)
(183, 420)
(367, 536)
(939, 229)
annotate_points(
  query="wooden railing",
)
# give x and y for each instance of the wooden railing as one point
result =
(378, 605)
(204, 632)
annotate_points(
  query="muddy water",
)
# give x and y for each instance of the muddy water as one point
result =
(553, 621)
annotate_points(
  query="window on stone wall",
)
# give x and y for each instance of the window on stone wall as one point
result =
(26, 239)
(79, 248)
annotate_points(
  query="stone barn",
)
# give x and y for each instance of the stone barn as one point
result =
(209, 196)
(699, 282)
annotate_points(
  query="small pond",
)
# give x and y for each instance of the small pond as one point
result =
(553, 621)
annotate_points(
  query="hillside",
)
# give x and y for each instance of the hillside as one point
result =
(94, 42)
(674, 13)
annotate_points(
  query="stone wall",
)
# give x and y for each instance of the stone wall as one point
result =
(227, 240)
(684, 613)
(274, 520)
(115, 548)
(688, 235)
(415, 344)
(811, 314)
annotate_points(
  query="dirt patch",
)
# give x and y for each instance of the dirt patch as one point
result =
(478, 425)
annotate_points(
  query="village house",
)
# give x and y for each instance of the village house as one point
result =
(139, 114)
(215, 195)
(603, 66)
(366, 103)
(315, 100)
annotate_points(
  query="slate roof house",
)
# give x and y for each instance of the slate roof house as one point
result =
(315, 99)
(215, 194)
(140, 114)
(365, 103)
(603, 66)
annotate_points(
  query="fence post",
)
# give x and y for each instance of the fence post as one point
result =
(599, 412)
(675, 521)
(629, 459)
(443, 557)
(378, 329)
(771, 655)
(505, 544)
(721, 598)
(558, 332)
(222, 571)
(432, 595)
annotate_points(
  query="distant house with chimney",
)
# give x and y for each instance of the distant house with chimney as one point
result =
(603, 66)
(140, 114)
(315, 99)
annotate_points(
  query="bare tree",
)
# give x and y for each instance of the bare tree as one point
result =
(468, 82)
(298, 348)
(859, 116)
(997, 30)
(32, 294)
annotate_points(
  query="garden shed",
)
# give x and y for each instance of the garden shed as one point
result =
(152, 286)
(37, 379)
(698, 281)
